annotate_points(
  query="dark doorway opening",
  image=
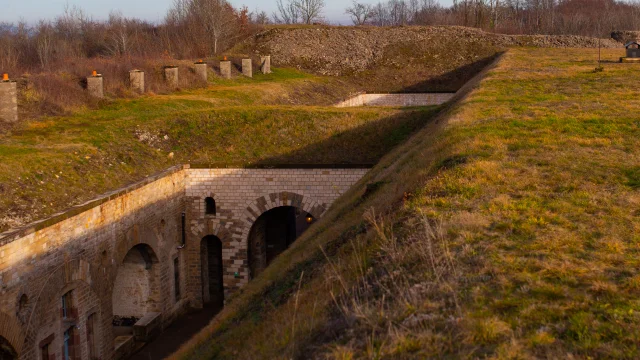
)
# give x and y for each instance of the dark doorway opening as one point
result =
(212, 271)
(7, 351)
(273, 232)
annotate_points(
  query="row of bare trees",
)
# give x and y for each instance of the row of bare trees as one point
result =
(579, 17)
(192, 28)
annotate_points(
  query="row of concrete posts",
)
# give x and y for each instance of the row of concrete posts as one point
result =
(95, 83)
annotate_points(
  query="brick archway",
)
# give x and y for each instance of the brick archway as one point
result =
(11, 331)
(261, 247)
(267, 202)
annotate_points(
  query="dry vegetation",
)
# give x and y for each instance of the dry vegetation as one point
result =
(507, 228)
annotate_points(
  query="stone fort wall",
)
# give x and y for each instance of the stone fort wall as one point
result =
(81, 252)
(241, 196)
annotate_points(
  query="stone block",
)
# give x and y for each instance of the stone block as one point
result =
(8, 101)
(202, 71)
(265, 64)
(225, 69)
(124, 347)
(247, 68)
(171, 76)
(136, 80)
(148, 327)
(95, 86)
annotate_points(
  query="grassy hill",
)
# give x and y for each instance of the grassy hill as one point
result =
(54, 162)
(505, 228)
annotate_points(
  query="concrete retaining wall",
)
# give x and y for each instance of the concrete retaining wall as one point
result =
(426, 99)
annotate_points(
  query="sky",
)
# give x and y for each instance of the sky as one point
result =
(151, 10)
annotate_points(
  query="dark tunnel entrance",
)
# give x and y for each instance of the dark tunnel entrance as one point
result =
(212, 271)
(6, 350)
(272, 233)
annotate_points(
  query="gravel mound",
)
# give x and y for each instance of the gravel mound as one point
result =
(348, 50)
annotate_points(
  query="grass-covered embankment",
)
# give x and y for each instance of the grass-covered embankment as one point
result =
(506, 229)
(53, 163)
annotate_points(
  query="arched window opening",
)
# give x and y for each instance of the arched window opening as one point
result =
(23, 308)
(210, 206)
(273, 232)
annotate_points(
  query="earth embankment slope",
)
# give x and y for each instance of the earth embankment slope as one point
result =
(506, 228)
(398, 59)
(53, 163)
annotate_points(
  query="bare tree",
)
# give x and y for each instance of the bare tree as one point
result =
(118, 41)
(288, 13)
(310, 10)
(44, 43)
(359, 12)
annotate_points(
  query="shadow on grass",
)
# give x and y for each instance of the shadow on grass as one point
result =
(361, 145)
(452, 79)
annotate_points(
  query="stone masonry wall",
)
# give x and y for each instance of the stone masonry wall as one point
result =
(426, 99)
(241, 196)
(82, 251)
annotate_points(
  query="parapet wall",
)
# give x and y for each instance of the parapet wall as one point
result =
(425, 99)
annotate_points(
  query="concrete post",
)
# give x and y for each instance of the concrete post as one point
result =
(265, 64)
(8, 100)
(171, 76)
(201, 70)
(95, 85)
(136, 80)
(247, 68)
(225, 69)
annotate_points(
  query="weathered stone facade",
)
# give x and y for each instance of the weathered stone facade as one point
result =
(123, 254)
(242, 195)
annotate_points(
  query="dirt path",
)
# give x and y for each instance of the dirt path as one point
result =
(176, 334)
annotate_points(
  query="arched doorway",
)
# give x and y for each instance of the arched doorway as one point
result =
(273, 232)
(212, 271)
(136, 291)
(7, 352)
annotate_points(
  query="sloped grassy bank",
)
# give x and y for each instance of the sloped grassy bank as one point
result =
(51, 164)
(506, 228)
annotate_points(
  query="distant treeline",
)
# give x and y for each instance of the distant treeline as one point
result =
(191, 29)
(200, 28)
(551, 17)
